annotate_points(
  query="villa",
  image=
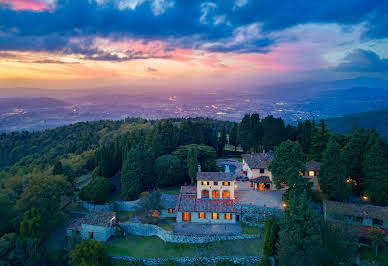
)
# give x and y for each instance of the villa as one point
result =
(255, 166)
(211, 201)
(312, 172)
(363, 215)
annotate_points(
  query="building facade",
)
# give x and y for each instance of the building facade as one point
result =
(312, 172)
(255, 166)
(211, 201)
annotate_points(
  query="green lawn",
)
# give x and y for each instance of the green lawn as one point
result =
(167, 227)
(123, 216)
(138, 246)
(251, 230)
(368, 254)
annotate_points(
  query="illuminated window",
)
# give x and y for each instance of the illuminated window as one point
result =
(216, 194)
(202, 215)
(205, 194)
(215, 183)
(301, 174)
(225, 194)
(228, 216)
(186, 216)
(170, 210)
(205, 183)
(214, 216)
(311, 173)
(226, 183)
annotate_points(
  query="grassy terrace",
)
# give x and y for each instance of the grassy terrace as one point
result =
(147, 247)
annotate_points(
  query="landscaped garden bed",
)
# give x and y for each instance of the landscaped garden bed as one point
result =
(149, 247)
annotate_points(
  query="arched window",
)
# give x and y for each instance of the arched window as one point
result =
(215, 194)
(226, 194)
(205, 194)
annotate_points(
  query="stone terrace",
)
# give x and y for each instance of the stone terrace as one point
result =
(245, 195)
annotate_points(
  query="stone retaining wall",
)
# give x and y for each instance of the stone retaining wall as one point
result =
(252, 213)
(125, 205)
(154, 230)
(91, 206)
(246, 260)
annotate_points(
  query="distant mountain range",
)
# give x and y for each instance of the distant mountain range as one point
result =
(374, 119)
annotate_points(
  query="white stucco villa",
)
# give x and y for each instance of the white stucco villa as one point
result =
(211, 201)
(255, 166)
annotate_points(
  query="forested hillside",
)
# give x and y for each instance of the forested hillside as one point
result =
(41, 171)
(377, 120)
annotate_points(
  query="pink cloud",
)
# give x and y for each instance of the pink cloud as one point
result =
(35, 5)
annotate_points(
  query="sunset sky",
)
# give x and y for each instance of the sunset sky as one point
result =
(60, 44)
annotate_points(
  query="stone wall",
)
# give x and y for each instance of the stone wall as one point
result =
(100, 233)
(125, 205)
(153, 230)
(91, 206)
(253, 213)
(246, 260)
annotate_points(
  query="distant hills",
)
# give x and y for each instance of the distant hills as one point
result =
(373, 119)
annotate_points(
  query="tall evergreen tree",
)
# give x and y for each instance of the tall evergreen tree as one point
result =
(319, 139)
(256, 133)
(332, 176)
(233, 136)
(274, 132)
(286, 165)
(244, 132)
(58, 169)
(131, 178)
(192, 164)
(164, 137)
(353, 154)
(221, 141)
(300, 240)
(375, 170)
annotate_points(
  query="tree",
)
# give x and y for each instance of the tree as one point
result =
(287, 164)
(8, 213)
(244, 131)
(164, 137)
(233, 136)
(274, 132)
(151, 201)
(256, 133)
(319, 139)
(332, 176)
(44, 192)
(375, 170)
(377, 237)
(32, 224)
(271, 229)
(97, 190)
(89, 252)
(353, 157)
(192, 164)
(58, 169)
(206, 156)
(131, 179)
(221, 141)
(169, 171)
(300, 240)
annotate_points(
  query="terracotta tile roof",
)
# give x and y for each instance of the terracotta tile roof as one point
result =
(189, 190)
(215, 176)
(261, 179)
(314, 166)
(258, 160)
(354, 209)
(188, 203)
(98, 217)
(169, 201)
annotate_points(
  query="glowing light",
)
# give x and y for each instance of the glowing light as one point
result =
(284, 205)
(365, 197)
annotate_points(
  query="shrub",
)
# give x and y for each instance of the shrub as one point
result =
(271, 229)
(89, 252)
(97, 191)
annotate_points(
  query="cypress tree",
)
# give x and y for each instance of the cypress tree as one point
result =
(319, 139)
(131, 177)
(244, 131)
(332, 176)
(375, 170)
(300, 231)
(233, 136)
(192, 164)
(221, 141)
